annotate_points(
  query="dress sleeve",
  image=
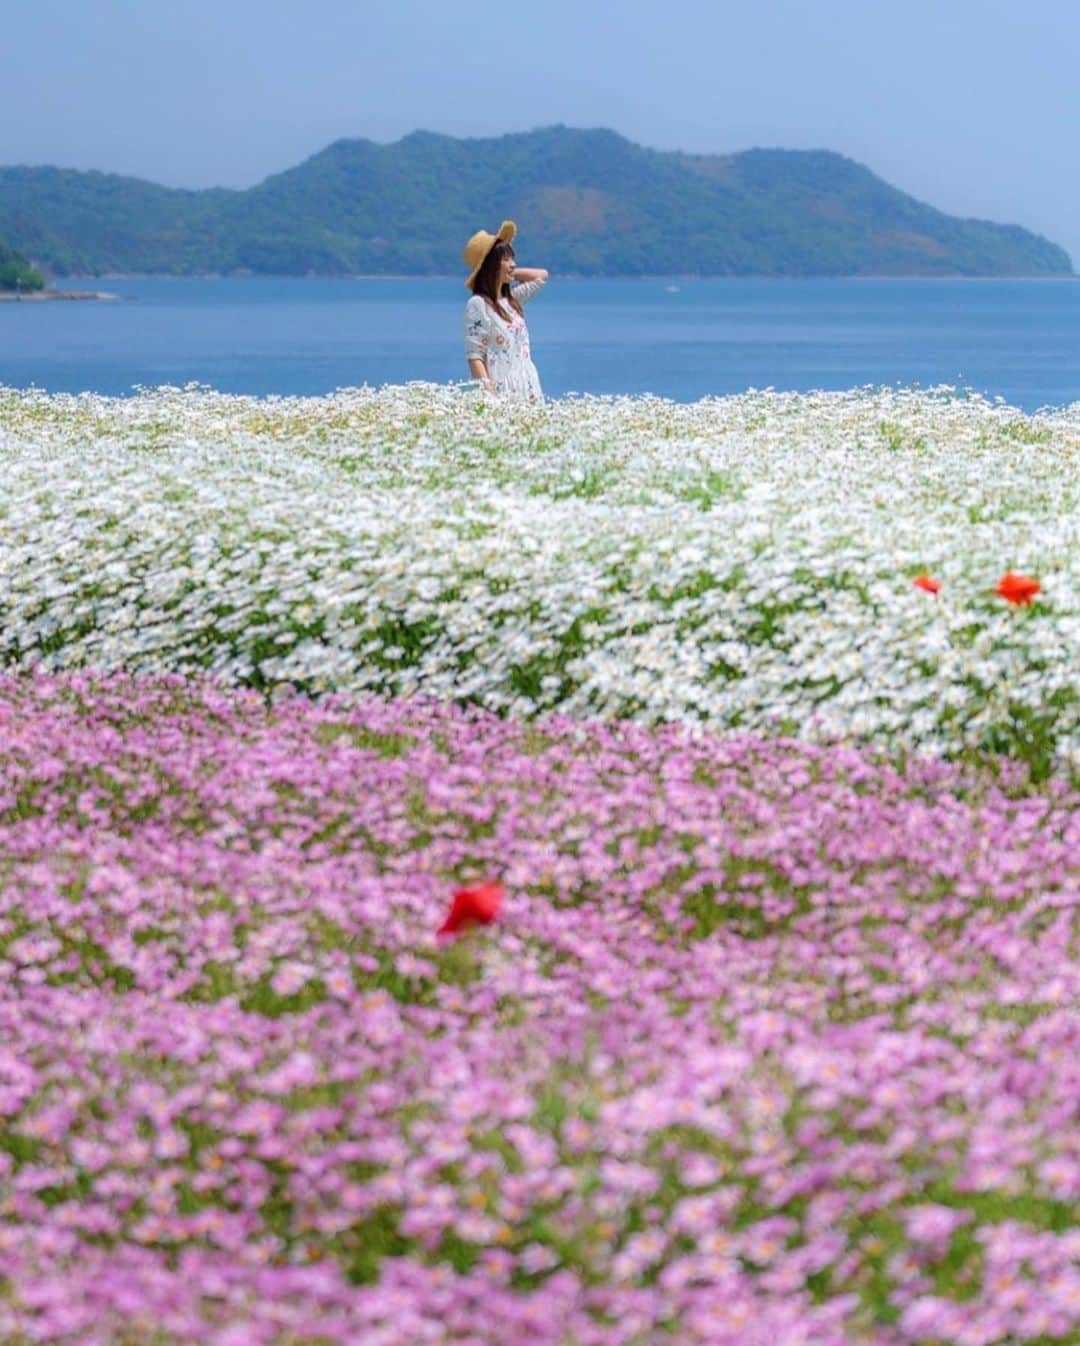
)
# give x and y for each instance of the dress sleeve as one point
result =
(525, 291)
(476, 329)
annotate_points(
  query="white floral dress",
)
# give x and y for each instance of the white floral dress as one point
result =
(504, 346)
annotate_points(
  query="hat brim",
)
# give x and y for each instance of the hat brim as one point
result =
(507, 233)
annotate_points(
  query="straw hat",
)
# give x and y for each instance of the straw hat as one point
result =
(481, 244)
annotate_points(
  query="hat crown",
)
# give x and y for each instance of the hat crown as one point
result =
(478, 248)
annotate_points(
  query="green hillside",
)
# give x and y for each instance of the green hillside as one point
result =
(587, 202)
(16, 273)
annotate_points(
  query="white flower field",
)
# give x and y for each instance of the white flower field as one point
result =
(745, 561)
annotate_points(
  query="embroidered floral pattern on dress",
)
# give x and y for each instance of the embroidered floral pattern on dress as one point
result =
(475, 335)
(504, 345)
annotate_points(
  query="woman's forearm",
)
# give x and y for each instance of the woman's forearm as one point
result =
(527, 273)
(479, 370)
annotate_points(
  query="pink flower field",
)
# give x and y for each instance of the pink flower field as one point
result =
(769, 1042)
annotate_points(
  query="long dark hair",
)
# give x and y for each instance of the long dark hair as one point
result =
(486, 281)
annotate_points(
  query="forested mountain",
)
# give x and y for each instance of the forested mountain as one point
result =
(16, 273)
(587, 202)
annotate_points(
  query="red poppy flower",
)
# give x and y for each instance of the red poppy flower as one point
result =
(925, 582)
(1017, 588)
(479, 905)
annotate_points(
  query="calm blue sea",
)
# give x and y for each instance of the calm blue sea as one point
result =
(679, 339)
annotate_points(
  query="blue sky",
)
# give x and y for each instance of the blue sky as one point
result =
(971, 105)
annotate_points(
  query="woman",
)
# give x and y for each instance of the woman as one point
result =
(496, 337)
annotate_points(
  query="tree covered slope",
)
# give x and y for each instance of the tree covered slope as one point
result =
(587, 201)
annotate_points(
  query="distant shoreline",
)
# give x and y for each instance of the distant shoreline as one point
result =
(687, 277)
(40, 296)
